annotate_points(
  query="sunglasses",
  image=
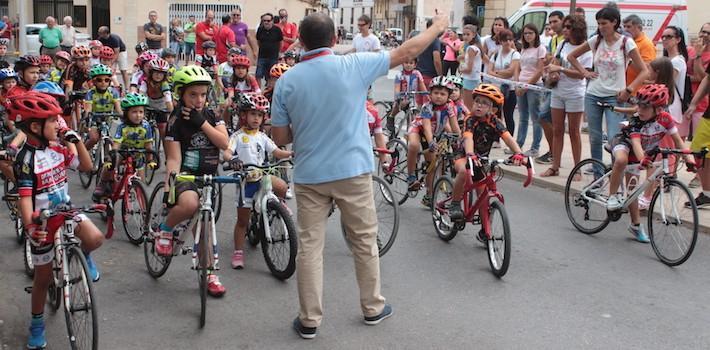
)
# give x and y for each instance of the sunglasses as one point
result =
(266, 20)
(568, 26)
(102, 80)
(667, 37)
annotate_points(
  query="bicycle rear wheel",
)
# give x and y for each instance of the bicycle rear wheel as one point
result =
(54, 292)
(280, 253)
(587, 216)
(499, 241)
(397, 178)
(157, 265)
(81, 316)
(673, 223)
(19, 228)
(440, 202)
(133, 213)
(205, 264)
(85, 177)
(387, 217)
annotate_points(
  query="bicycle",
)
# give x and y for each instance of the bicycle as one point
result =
(130, 190)
(672, 196)
(11, 202)
(204, 252)
(76, 101)
(70, 283)
(271, 222)
(442, 163)
(488, 210)
(102, 148)
(151, 115)
(397, 125)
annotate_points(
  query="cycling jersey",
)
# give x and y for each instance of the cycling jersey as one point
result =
(55, 75)
(207, 62)
(225, 71)
(485, 131)
(133, 136)
(251, 147)
(44, 76)
(439, 116)
(155, 91)
(248, 84)
(94, 61)
(408, 81)
(650, 132)
(41, 174)
(199, 155)
(102, 102)
(78, 77)
(462, 111)
(171, 72)
(137, 78)
(373, 118)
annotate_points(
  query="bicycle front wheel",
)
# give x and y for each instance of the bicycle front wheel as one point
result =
(440, 204)
(156, 264)
(150, 173)
(397, 177)
(673, 222)
(280, 252)
(134, 212)
(80, 313)
(499, 241)
(205, 264)
(27, 257)
(584, 196)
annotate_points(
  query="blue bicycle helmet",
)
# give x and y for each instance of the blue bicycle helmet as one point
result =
(49, 88)
(6, 73)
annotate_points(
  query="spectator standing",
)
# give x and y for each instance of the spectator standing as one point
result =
(177, 36)
(701, 136)
(289, 30)
(325, 122)
(154, 33)
(6, 32)
(453, 45)
(429, 61)
(189, 39)
(532, 62)
(634, 26)
(365, 40)
(119, 48)
(471, 66)
(269, 38)
(491, 44)
(608, 80)
(224, 39)
(698, 62)
(204, 31)
(555, 22)
(504, 64)
(50, 37)
(674, 47)
(68, 35)
(241, 34)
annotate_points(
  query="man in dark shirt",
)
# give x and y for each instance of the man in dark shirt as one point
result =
(429, 61)
(154, 33)
(119, 48)
(269, 38)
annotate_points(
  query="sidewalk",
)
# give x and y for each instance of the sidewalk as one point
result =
(557, 183)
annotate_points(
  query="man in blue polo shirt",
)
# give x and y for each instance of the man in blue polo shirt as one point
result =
(319, 105)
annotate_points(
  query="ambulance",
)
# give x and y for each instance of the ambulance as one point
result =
(655, 14)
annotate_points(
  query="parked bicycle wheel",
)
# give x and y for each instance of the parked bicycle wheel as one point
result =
(134, 212)
(280, 253)
(586, 216)
(673, 222)
(441, 201)
(81, 316)
(397, 178)
(156, 264)
(499, 242)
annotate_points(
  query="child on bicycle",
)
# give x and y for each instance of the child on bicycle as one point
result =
(208, 60)
(107, 57)
(141, 70)
(76, 76)
(647, 127)
(37, 115)
(169, 56)
(101, 98)
(408, 80)
(481, 130)
(8, 79)
(462, 111)
(240, 82)
(27, 68)
(226, 68)
(95, 47)
(437, 116)
(133, 132)
(250, 146)
(45, 67)
(274, 74)
(156, 87)
(195, 136)
(62, 59)
(290, 58)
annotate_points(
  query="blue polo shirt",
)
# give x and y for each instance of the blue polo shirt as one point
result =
(323, 99)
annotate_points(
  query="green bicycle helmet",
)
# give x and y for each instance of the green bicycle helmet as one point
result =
(100, 69)
(133, 99)
(457, 80)
(188, 76)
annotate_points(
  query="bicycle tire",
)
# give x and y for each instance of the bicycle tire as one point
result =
(19, 229)
(157, 265)
(150, 173)
(136, 196)
(274, 210)
(204, 265)
(574, 200)
(217, 201)
(82, 285)
(85, 177)
(654, 218)
(398, 178)
(27, 258)
(445, 228)
(255, 231)
(54, 293)
(499, 265)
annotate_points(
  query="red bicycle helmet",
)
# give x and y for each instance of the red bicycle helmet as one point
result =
(240, 61)
(80, 52)
(95, 43)
(253, 101)
(159, 65)
(25, 62)
(31, 106)
(490, 91)
(655, 95)
(45, 59)
(63, 55)
(145, 57)
(107, 53)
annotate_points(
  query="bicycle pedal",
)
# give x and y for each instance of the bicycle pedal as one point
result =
(28, 290)
(476, 220)
(460, 225)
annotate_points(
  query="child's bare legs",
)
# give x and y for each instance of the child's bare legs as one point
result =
(413, 152)
(240, 231)
(621, 160)
(460, 180)
(6, 169)
(430, 157)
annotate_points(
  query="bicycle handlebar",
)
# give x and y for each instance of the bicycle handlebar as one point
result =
(530, 168)
(229, 165)
(411, 93)
(67, 210)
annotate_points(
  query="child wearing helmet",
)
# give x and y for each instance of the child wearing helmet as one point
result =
(141, 69)
(133, 132)
(437, 116)
(648, 125)
(101, 98)
(156, 87)
(169, 56)
(240, 82)
(194, 137)
(274, 74)
(95, 47)
(8, 80)
(208, 59)
(48, 150)
(226, 69)
(3, 51)
(407, 80)
(481, 129)
(462, 111)
(290, 58)
(45, 66)
(61, 61)
(76, 76)
(27, 68)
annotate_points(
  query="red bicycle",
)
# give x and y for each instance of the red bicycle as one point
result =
(488, 210)
(129, 188)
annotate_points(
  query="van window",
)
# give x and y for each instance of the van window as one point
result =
(538, 18)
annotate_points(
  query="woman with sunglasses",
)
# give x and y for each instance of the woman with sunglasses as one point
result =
(674, 48)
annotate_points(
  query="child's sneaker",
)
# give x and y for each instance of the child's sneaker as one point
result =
(614, 202)
(214, 287)
(639, 233)
(93, 270)
(164, 243)
(103, 189)
(37, 339)
(426, 201)
(644, 202)
(412, 183)
(238, 259)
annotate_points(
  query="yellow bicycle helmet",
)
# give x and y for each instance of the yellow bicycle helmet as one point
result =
(188, 76)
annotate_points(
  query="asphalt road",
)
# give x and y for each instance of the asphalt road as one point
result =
(564, 290)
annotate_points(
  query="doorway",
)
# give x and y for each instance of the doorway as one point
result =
(100, 16)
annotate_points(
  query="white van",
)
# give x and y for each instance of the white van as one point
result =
(655, 14)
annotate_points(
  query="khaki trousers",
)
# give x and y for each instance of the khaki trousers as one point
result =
(355, 200)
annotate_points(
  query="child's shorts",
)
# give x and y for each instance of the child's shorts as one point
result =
(44, 254)
(250, 189)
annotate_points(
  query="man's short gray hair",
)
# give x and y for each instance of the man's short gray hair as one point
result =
(67, 18)
(634, 19)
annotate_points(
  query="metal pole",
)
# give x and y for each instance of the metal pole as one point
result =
(572, 6)
(23, 22)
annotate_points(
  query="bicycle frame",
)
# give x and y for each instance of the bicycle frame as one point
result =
(659, 174)
(262, 197)
(482, 204)
(119, 190)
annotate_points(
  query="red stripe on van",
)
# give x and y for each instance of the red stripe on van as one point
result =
(657, 37)
(621, 6)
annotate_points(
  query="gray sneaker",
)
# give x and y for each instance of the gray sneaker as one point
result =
(544, 159)
(532, 153)
(373, 320)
